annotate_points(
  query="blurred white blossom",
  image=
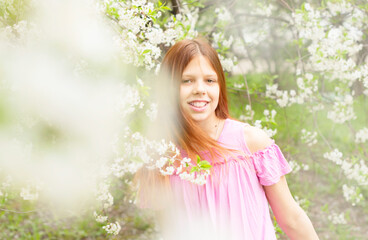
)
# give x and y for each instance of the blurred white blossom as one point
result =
(270, 132)
(100, 218)
(112, 228)
(309, 137)
(352, 194)
(249, 114)
(28, 194)
(342, 110)
(356, 170)
(362, 135)
(337, 218)
(140, 38)
(152, 111)
(223, 14)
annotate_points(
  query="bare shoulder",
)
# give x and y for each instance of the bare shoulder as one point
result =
(256, 139)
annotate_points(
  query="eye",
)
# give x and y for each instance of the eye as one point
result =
(186, 81)
(211, 80)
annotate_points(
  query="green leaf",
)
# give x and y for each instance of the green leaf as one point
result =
(324, 208)
(198, 159)
(146, 51)
(194, 169)
(166, 8)
(205, 165)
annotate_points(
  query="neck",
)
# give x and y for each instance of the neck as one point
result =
(212, 127)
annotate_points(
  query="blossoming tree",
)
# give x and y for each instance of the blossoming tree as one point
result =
(296, 69)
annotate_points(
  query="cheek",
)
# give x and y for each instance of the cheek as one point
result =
(183, 95)
(216, 94)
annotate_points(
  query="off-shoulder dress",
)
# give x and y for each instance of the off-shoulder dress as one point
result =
(232, 204)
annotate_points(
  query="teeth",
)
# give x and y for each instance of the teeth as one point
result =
(198, 104)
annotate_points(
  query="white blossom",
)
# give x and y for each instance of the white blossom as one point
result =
(335, 156)
(309, 137)
(270, 132)
(342, 110)
(100, 218)
(104, 196)
(161, 162)
(239, 85)
(187, 176)
(112, 228)
(357, 171)
(249, 114)
(295, 166)
(168, 171)
(362, 135)
(337, 218)
(352, 194)
(300, 201)
(223, 14)
(227, 63)
(152, 111)
(28, 194)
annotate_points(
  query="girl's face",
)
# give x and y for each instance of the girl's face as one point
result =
(199, 90)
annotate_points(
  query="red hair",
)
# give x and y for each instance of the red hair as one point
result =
(187, 134)
(153, 187)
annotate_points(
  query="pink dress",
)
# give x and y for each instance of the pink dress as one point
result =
(232, 204)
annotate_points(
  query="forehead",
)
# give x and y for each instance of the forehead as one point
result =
(199, 65)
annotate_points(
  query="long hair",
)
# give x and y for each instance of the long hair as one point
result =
(186, 133)
(177, 126)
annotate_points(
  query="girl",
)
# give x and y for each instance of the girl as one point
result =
(248, 167)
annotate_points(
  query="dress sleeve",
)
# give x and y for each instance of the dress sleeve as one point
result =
(270, 165)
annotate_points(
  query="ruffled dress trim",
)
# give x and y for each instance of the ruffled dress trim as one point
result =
(270, 164)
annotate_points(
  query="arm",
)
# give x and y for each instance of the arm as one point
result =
(289, 215)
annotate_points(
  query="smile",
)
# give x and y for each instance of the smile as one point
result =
(198, 106)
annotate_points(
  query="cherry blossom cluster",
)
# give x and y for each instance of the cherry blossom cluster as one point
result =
(362, 135)
(332, 53)
(355, 170)
(137, 152)
(266, 122)
(161, 155)
(112, 228)
(298, 166)
(336, 218)
(329, 67)
(342, 109)
(333, 48)
(248, 114)
(220, 41)
(307, 88)
(309, 137)
(30, 192)
(302, 202)
(352, 194)
(103, 194)
(331, 42)
(5, 187)
(142, 33)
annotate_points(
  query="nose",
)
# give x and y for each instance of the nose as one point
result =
(199, 87)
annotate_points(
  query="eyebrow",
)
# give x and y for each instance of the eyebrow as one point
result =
(206, 76)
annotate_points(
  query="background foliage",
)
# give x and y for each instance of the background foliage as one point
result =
(297, 69)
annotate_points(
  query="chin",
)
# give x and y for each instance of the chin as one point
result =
(199, 118)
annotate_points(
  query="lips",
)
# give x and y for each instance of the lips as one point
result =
(198, 105)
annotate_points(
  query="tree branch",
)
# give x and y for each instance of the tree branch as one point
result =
(13, 211)
(176, 6)
(285, 4)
